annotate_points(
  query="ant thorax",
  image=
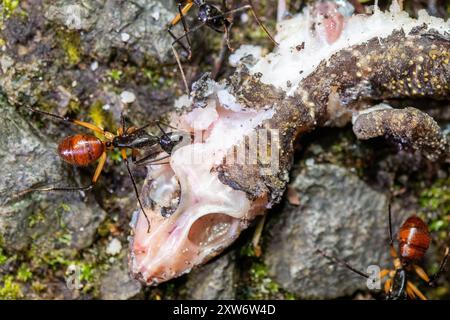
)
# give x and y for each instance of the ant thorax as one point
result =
(135, 140)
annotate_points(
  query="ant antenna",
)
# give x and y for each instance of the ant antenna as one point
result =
(260, 23)
(342, 263)
(137, 194)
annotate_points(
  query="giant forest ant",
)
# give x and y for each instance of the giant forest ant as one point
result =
(414, 240)
(216, 18)
(83, 150)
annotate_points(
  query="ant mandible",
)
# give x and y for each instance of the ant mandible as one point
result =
(82, 149)
(414, 240)
(217, 19)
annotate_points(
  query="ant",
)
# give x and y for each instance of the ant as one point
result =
(82, 150)
(216, 18)
(414, 240)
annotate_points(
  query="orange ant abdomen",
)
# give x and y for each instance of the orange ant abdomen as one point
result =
(81, 150)
(414, 239)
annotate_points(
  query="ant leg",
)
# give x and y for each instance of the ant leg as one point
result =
(87, 125)
(160, 163)
(414, 291)
(160, 128)
(166, 124)
(260, 23)
(409, 292)
(186, 30)
(436, 276)
(98, 170)
(343, 263)
(384, 273)
(245, 8)
(183, 76)
(141, 161)
(124, 157)
(421, 273)
(157, 122)
(177, 40)
(134, 154)
(180, 16)
(391, 239)
(184, 11)
(387, 286)
(227, 36)
(220, 59)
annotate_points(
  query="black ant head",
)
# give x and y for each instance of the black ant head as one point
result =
(210, 15)
(169, 141)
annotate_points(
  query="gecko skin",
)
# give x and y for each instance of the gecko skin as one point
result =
(399, 66)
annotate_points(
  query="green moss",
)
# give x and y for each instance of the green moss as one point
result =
(115, 75)
(86, 270)
(64, 238)
(62, 208)
(10, 290)
(438, 225)
(9, 6)
(3, 257)
(104, 229)
(290, 296)
(24, 273)
(55, 263)
(437, 197)
(158, 79)
(261, 286)
(247, 250)
(115, 156)
(38, 286)
(35, 219)
(170, 291)
(101, 118)
(436, 200)
(71, 44)
(74, 106)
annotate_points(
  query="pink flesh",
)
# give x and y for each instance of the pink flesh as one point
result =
(331, 21)
(333, 27)
(210, 215)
